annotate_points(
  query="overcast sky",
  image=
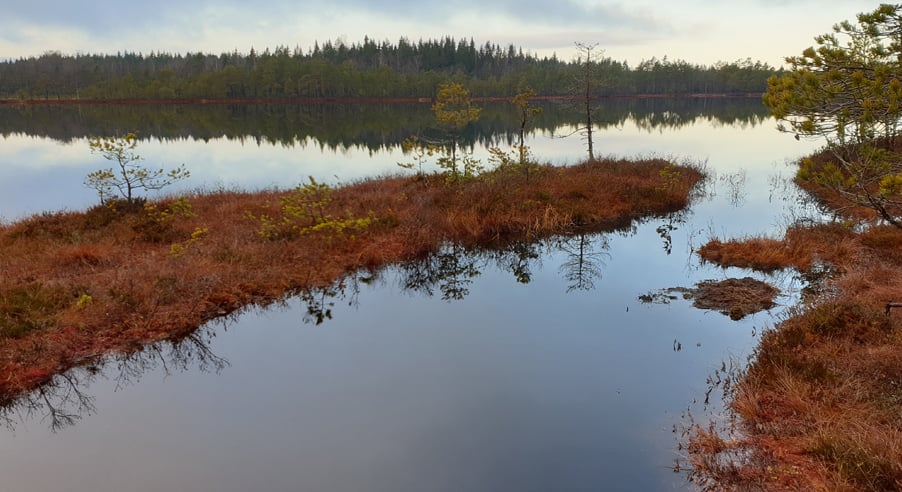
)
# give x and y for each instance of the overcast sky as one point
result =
(698, 31)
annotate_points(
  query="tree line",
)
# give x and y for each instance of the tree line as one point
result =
(360, 70)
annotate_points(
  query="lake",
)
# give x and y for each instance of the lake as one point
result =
(533, 368)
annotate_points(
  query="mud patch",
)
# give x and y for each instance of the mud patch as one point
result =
(733, 297)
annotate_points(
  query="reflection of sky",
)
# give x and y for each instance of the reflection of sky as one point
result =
(39, 174)
(516, 387)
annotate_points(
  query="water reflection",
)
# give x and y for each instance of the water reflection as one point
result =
(736, 187)
(447, 273)
(519, 258)
(668, 226)
(371, 126)
(63, 401)
(450, 270)
(712, 423)
(60, 403)
(320, 301)
(453, 268)
(585, 260)
(508, 385)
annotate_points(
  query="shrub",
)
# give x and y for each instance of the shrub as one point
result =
(303, 211)
(128, 175)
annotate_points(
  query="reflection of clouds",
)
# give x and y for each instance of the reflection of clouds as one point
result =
(33, 151)
(38, 174)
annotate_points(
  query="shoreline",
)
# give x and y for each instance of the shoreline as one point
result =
(818, 405)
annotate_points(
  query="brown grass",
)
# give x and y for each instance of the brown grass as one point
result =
(821, 404)
(799, 248)
(734, 297)
(76, 285)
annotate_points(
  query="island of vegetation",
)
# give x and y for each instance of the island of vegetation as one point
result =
(820, 403)
(131, 271)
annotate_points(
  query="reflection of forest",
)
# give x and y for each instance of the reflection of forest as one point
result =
(369, 126)
(449, 272)
(64, 400)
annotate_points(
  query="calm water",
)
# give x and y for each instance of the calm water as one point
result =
(535, 368)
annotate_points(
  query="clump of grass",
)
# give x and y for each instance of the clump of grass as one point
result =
(44, 226)
(734, 297)
(102, 215)
(800, 247)
(864, 462)
(156, 223)
(82, 256)
(29, 308)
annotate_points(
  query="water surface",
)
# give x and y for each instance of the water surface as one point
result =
(534, 368)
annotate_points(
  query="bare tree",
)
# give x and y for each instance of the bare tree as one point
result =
(586, 83)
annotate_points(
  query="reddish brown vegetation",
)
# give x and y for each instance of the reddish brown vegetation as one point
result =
(799, 248)
(734, 297)
(80, 284)
(821, 404)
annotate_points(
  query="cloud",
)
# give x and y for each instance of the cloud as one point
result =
(106, 19)
(698, 30)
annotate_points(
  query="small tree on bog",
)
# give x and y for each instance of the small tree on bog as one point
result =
(128, 175)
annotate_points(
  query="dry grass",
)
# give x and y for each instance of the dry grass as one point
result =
(734, 297)
(800, 248)
(821, 404)
(79, 284)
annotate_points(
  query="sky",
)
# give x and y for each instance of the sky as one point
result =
(697, 31)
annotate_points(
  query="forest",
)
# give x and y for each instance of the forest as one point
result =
(368, 69)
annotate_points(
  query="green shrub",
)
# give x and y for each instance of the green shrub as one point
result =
(304, 211)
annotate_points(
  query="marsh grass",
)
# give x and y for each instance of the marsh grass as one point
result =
(77, 285)
(820, 405)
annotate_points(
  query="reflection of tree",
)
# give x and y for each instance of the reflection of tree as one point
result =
(451, 270)
(665, 230)
(517, 258)
(367, 126)
(584, 262)
(171, 356)
(63, 401)
(319, 301)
